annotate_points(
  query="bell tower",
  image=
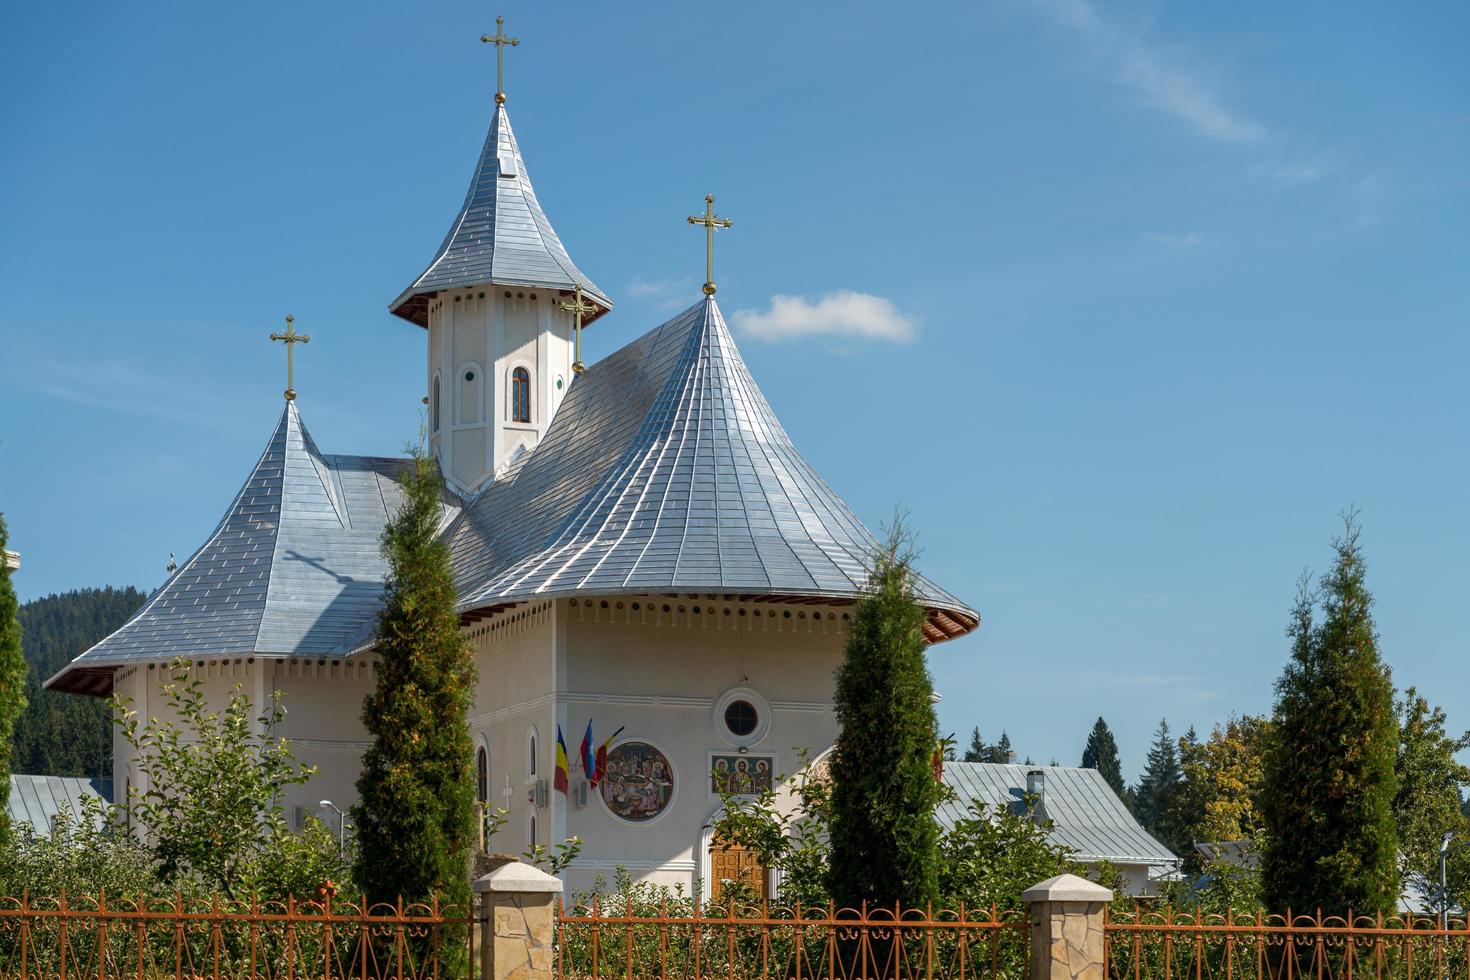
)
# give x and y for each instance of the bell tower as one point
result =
(499, 302)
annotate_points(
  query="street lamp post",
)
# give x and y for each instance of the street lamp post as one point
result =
(341, 826)
(1444, 891)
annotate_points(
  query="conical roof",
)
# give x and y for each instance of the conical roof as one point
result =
(500, 235)
(294, 567)
(665, 470)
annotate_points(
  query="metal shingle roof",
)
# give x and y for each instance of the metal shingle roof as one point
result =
(665, 470)
(36, 800)
(294, 568)
(500, 235)
(1086, 814)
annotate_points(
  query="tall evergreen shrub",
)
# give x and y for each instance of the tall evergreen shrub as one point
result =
(416, 816)
(883, 833)
(12, 678)
(1327, 799)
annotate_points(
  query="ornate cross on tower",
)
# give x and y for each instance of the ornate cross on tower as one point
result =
(290, 338)
(711, 221)
(578, 308)
(500, 41)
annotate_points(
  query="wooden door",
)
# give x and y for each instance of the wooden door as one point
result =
(734, 864)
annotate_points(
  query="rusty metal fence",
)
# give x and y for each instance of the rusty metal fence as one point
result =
(746, 942)
(149, 939)
(1169, 945)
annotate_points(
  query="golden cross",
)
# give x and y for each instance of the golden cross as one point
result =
(578, 307)
(711, 221)
(500, 41)
(290, 338)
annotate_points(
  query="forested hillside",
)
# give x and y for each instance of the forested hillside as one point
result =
(65, 734)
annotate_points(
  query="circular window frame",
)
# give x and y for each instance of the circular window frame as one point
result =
(762, 716)
(622, 821)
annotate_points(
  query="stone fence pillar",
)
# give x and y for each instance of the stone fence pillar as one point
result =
(517, 923)
(1067, 928)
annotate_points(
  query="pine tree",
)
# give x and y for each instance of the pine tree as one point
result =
(884, 840)
(978, 750)
(1158, 786)
(1101, 753)
(1001, 751)
(1329, 786)
(416, 816)
(12, 678)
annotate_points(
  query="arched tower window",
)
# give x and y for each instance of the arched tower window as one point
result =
(531, 752)
(520, 395)
(482, 775)
(434, 404)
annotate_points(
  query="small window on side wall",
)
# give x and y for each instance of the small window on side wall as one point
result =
(434, 404)
(520, 395)
(531, 752)
(482, 775)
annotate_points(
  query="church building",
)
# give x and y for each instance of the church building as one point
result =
(647, 568)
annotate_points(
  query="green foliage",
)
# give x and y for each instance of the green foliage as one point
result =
(981, 751)
(884, 790)
(12, 677)
(1101, 753)
(788, 831)
(1427, 804)
(62, 734)
(1218, 799)
(82, 854)
(416, 812)
(1158, 787)
(211, 781)
(1329, 783)
(993, 855)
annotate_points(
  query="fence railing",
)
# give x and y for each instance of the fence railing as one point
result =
(1167, 945)
(746, 942)
(86, 938)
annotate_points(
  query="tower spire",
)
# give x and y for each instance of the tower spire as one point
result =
(500, 40)
(290, 338)
(711, 221)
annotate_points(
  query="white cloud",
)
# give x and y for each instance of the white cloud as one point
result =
(1178, 239)
(1154, 73)
(651, 287)
(839, 314)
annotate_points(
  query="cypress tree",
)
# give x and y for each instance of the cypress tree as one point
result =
(12, 678)
(1329, 784)
(1101, 753)
(884, 839)
(416, 812)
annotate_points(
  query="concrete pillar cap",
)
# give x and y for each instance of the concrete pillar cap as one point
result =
(1067, 888)
(517, 877)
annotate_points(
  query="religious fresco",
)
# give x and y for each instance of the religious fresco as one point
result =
(745, 774)
(638, 784)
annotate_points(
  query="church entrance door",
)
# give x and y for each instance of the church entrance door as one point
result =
(732, 864)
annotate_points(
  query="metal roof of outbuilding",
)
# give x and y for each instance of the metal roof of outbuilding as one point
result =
(294, 568)
(37, 800)
(665, 470)
(1087, 816)
(500, 235)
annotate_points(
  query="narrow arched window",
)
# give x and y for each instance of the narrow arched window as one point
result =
(520, 395)
(482, 775)
(434, 406)
(531, 752)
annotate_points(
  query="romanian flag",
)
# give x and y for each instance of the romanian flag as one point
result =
(600, 769)
(587, 761)
(563, 767)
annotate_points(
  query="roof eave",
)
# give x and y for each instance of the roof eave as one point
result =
(413, 303)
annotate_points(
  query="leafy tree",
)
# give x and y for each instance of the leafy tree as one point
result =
(62, 734)
(1101, 753)
(1427, 805)
(81, 854)
(884, 791)
(792, 838)
(416, 812)
(12, 678)
(1158, 787)
(1218, 799)
(1331, 840)
(208, 804)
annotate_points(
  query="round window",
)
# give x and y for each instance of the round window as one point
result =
(741, 718)
(469, 375)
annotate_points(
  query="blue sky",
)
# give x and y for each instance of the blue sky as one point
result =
(1123, 302)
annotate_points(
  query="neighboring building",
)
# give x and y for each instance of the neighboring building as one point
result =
(642, 557)
(36, 801)
(12, 560)
(1085, 814)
